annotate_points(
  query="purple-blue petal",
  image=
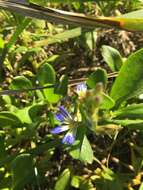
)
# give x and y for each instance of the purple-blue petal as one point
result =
(59, 117)
(82, 87)
(59, 129)
(63, 111)
(68, 139)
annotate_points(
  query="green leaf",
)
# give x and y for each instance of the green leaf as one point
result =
(86, 184)
(9, 119)
(82, 149)
(20, 82)
(112, 57)
(131, 111)
(63, 182)
(35, 111)
(99, 75)
(86, 153)
(23, 115)
(134, 14)
(46, 74)
(132, 21)
(107, 102)
(130, 123)
(91, 38)
(1, 44)
(129, 82)
(20, 49)
(75, 181)
(51, 96)
(61, 37)
(141, 186)
(22, 171)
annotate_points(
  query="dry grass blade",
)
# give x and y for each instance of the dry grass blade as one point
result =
(131, 22)
(58, 16)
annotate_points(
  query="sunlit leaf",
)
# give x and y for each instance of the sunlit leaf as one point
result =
(46, 74)
(131, 111)
(141, 186)
(99, 75)
(82, 149)
(129, 82)
(20, 82)
(63, 182)
(91, 38)
(24, 115)
(75, 181)
(112, 57)
(107, 102)
(132, 21)
(64, 36)
(51, 96)
(130, 123)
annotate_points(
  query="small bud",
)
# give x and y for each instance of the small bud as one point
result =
(99, 87)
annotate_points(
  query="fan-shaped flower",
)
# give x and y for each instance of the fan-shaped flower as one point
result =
(67, 124)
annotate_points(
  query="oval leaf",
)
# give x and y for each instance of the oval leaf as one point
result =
(112, 57)
(51, 96)
(129, 82)
(99, 75)
(20, 82)
(63, 182)
(46, 74)
(82, 149)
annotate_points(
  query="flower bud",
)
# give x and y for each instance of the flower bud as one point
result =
(99, 88)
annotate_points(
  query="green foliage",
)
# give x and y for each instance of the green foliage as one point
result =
(98, 76)
(41, 65)
(131, 111)
(62, 88)
(63, 182)
(141, 187)
(107, 103)
(129, 83)
(112, 57)
(46, 74)
(9, 119)
(20, 82)
(22, 171)
(125, 21)
(61, 37)
(82, 149)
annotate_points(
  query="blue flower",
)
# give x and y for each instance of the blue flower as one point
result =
(81, 90)
(67, 124)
